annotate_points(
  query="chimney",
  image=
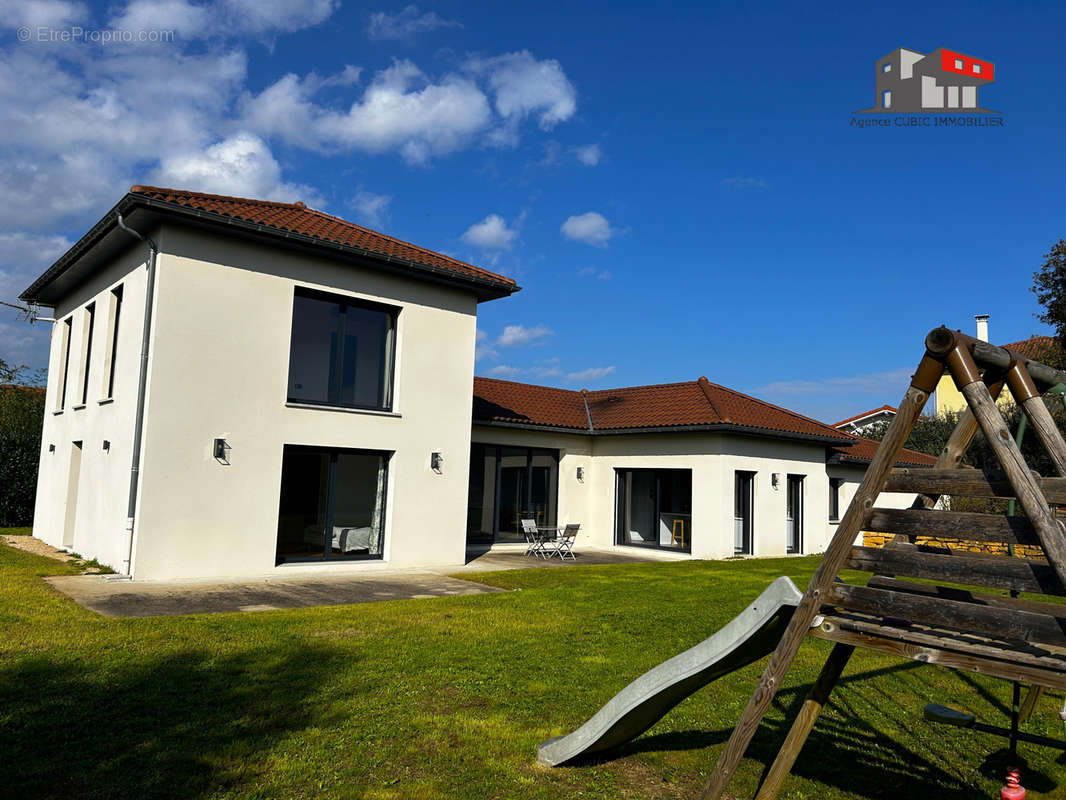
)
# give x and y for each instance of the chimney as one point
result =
(982, 326)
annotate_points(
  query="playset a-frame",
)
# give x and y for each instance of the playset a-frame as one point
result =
(1021, 640)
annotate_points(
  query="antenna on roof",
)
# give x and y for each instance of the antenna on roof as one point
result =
(29, 313)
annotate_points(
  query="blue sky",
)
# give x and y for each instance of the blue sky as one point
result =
(676, 187)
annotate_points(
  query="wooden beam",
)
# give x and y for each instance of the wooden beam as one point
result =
(974, 569)
(1026, 488)
(924, 381)
(966, 482)
(808, 715)
(930, 654)
(966, 526)
(972, 617)
(1032, 606)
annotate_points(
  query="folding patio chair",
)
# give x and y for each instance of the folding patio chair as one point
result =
(564, 543)
(534, 541)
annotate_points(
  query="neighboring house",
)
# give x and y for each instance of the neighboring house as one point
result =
(867, 419)
(908, 81)
(690, 467)
(306, 391)
(948, 398)
(301, 373)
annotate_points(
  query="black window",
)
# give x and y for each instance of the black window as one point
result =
(341, 352)
(743, 494)
(332, 504)
(90, 325)
(68, 327)
(653, 508)
(116, 295)
(834, 498)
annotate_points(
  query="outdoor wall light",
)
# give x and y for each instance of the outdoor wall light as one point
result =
(220, 449)
(775, 478)
(436, 461)
(581, 473)
(51, 448)
(107, 445)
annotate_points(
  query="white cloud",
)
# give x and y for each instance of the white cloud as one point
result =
(590, 228)
(517, 335)
(240, 165)
(594, 272)
(590, 375)
(400, 110)
(875, 383)
(223, 18)
(44, 13)
(491, 233)
(371, 209)
(483, 348)
(406, 23)
(504, 371)
(588, 154)
(740, 182)
(523, 86)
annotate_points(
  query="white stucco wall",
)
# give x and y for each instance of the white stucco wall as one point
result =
(99, 516)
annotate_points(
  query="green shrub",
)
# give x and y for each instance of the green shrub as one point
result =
(21, 418)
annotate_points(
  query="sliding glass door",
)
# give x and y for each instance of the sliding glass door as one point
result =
(654, 508)
(332, 504)
(507, 485)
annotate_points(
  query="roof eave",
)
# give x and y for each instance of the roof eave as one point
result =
(484, 289)
(742, 430)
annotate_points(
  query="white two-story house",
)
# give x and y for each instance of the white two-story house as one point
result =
(304, 399)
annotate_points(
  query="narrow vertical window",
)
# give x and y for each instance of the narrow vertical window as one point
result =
(111, 351)
(87, 349)
(794, 515)
(834, 498)
(886, 99)
(64, 348)
(743, 485)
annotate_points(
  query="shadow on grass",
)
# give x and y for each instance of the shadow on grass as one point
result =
(851, 755)
(181, 726)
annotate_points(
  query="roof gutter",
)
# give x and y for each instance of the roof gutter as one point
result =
(142, 381)
(738, 430)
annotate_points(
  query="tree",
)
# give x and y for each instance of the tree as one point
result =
(1049, 286)
(21, 419)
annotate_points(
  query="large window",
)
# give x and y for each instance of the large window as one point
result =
(507, 485)
(332, 504)
(341, 352)
(743, 495)
(654, 508)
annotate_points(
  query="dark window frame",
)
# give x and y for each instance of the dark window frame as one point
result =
(749, 512)
(835, 485)
(619, 495)
(68, 333)
(800, 482)
(388, 362)
(497, 452)
(116, 293)
(328, 557)
(90, 313)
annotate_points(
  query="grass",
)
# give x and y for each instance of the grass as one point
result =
(448, 697)
(16, 531)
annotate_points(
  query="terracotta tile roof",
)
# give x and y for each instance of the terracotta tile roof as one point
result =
(298, 218)
(1035, 347)
(869, 413)
(862, 452)
(689, 404)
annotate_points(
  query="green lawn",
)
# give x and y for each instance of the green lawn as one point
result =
(448, 697)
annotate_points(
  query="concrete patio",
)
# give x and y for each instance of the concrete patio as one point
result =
(115, 596)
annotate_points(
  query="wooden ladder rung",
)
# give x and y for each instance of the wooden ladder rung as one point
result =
(957, 525)
(965, 482)
(975, 569)
(952, 608)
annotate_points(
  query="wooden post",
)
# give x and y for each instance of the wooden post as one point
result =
(1029, 704)
(808, 715)
(836, 555)
(1026, 489)
(1028, 397)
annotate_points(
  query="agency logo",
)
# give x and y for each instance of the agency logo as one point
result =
(943, 82)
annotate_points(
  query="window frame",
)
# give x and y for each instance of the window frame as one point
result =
(388, 362)
(748, 476)
(111, 346)
(327, 556)
(88, 331)
(835, 485)
(66, 334)
(623, 498)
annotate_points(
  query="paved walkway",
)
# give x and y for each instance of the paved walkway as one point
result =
(114, 596)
